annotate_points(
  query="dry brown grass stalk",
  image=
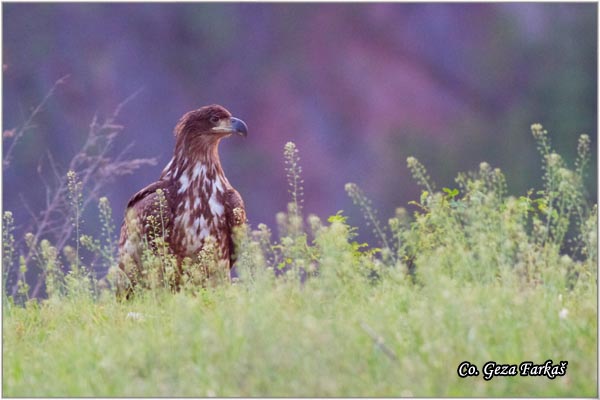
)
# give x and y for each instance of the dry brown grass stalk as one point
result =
(95, 166)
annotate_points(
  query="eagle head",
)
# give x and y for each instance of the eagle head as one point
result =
(209, 123)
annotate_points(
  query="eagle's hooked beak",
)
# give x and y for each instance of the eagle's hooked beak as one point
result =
(232, 125)
(238, 126)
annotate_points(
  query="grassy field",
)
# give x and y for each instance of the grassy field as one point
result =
(473, 275)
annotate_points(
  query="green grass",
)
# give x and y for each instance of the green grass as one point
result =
(279, 339)
(474, 275)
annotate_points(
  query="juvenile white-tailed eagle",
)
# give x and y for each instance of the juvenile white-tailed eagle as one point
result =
(191, 203)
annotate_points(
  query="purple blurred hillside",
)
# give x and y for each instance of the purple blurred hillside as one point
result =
(358, 88)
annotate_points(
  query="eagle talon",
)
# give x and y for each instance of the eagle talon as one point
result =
(239, 216)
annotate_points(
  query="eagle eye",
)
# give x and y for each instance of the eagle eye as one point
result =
(214, 119)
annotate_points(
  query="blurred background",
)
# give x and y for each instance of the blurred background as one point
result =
(358, 88)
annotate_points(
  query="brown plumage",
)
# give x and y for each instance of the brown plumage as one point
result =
(191, 204)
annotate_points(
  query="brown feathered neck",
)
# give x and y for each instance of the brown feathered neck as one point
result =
(197, 157)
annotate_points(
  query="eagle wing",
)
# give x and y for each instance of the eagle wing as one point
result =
(148, 191)
(148, 203)
(137, 228)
